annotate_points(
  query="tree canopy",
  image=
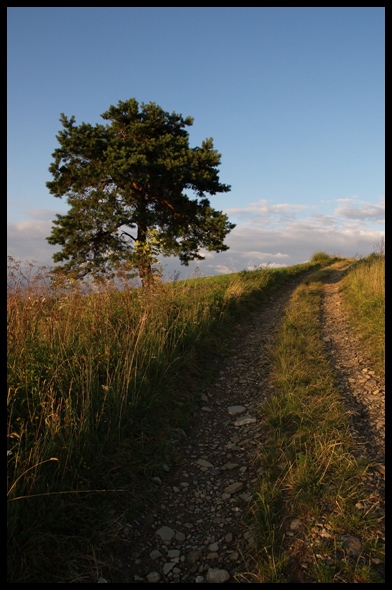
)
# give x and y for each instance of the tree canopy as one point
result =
(125, 183)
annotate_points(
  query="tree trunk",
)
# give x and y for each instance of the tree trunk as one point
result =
(144, 261)
(145, 274)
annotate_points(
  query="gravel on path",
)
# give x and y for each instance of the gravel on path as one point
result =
(197, 532)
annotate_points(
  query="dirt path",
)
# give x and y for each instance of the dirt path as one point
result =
(197, 532)
(362, 389)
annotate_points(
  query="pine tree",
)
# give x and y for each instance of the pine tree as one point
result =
(125, 183)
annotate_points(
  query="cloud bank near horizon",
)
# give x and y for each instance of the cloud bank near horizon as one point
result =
(266, 234)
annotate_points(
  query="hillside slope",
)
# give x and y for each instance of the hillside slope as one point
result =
(199, 529)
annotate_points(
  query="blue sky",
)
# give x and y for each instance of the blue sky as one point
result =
(294, 99)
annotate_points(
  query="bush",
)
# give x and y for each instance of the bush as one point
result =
(321, 257)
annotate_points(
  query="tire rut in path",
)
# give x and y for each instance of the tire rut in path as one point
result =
(363, 392)
(362, 389)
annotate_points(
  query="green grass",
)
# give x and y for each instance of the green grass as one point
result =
(321, 257)
(96, 383)
(363, 294)
(309, 469)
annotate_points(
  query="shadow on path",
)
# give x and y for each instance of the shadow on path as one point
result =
(350, 366)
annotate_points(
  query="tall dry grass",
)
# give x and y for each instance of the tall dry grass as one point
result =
(98, 377)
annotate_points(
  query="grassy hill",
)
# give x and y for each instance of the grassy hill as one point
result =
(96, 383)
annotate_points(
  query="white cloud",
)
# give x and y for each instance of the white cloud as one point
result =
(355, 208)
(349, 232)
(363, 212)
(222, 270)
(262, 212)
(26, 241)
(263, 255)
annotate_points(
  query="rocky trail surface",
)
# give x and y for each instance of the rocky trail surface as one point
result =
(197, 532)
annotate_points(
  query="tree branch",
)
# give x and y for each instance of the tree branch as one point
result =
(129, 235)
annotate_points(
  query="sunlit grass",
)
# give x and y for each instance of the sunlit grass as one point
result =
(307, 459)
(97, 379)
(363, 294)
